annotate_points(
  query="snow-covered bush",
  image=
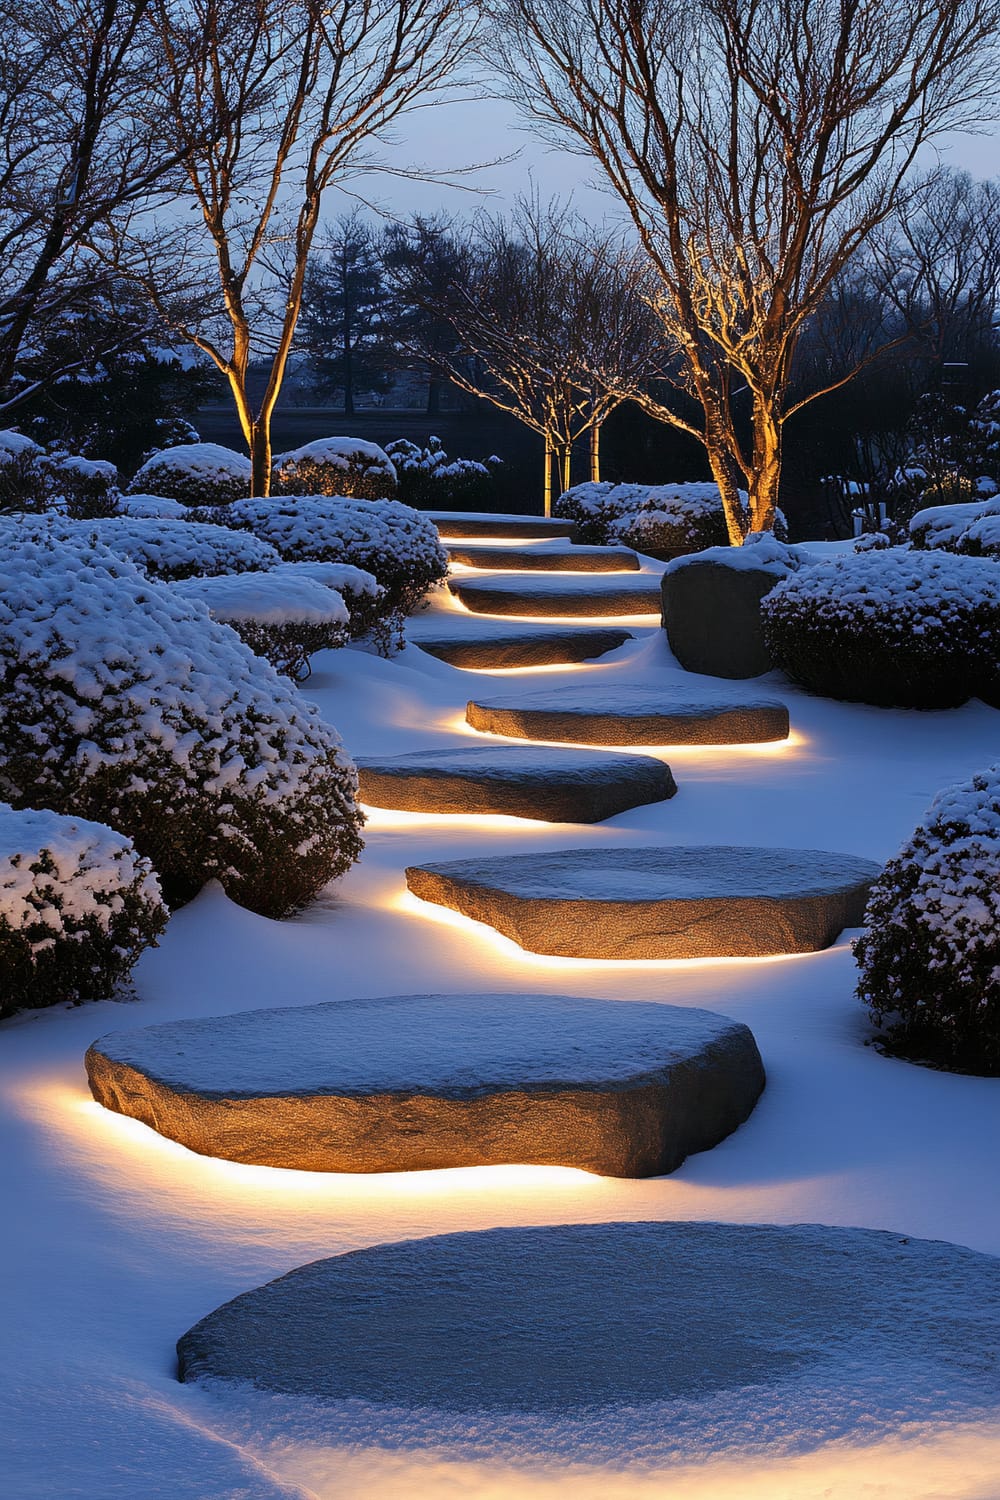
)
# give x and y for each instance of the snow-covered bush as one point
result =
(78, 905)
(122, 702)
(396, 544)
(657, 519)
(896, 628)
(360, 591)
(930, 954)
(195, 474)
(430, 480)
(180, 549)
(36, 482)
(336, 466)
(972, 528)
(279, 616)
(153, 508)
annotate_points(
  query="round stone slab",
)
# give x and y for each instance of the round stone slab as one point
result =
(669, 1340)
(408, 1082)
(547, 557)
(469, 523)
(626, 715)
(542, 595)
(561, 786)
(538, 647)
(703, 901)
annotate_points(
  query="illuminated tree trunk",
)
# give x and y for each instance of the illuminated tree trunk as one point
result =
(595, 453)
(547, 482)
(565, 459)
(767, 454)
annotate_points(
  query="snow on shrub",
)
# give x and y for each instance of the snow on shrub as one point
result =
(16, 445)
(78, 905)
(179, 549)
(360, 591)
(896, 628)
(930, 954)
(153, 508)
(34, 482)
(396, 544)
(195, 474)
(123, 702)
(652, 518)
(971, 528)
(279, 616)
(430, 480)
(336, 466)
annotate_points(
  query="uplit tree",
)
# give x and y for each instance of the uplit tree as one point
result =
(756, 145)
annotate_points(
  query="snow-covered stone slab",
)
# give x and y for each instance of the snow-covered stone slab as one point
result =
(561, 786)
(473, 646)
(627, 1342)
(702, 901)
(547, 557)
(473, 523)
(544, 594)
(631, 715)
(408, 1082)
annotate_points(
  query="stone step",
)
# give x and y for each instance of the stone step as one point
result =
(546, 595)
(627, 715)
(481, 645)
(561, 786)
(411, 1082)
(703, 901)
(469, 523)
(546, 557)
(664, 1339)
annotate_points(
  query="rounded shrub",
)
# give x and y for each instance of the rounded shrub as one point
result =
(78, 905)
(195, 474)
(336, 466)
(180, 549)
(282, 618)
(429, 480)
(894, 628)
(122, 702)
(929, 957)
(971, 528)
(396, 544)
(360, 591)
(665, 520)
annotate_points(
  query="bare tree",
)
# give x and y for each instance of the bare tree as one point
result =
(80, 86)
(306, 90)
(550, 321)
(755, 144)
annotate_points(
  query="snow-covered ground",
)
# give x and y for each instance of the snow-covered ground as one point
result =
(117, 1240)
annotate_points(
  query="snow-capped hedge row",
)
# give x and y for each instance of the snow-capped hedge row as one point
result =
(280, 616)
(195, 474)
(179, 549)
(664, 518)
(33, 481)
(396, 544)
(78, 905)
(971, 528)
(896, 627)
(360, 591)
(336, 466)
(153, 508)
(430, 480)
(122, 702)
(930, 953)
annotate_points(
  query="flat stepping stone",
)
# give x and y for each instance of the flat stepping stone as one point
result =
(474, 523)
(549, 557)
(703, 901)
(626, 715)
(537, 647)
(409, 1082)
(672, 1341)
(561, 786)
(544, 595)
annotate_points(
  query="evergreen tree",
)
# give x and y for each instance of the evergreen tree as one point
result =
(343, 315)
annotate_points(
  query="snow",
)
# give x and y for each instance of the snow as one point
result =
(119, 1241)
(439, 1044)
(155, 507)
(176, 549)
(895, 586)
(266, 599)
(203, 473)
(339, 576)
(16, 445)
(333, 528)
(339, 453)
(761, 552)
(688, 696)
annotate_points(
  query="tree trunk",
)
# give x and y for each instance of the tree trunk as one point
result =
(565, 460)
(348, 361)
(260, 457)
(595, 453)
(725, 475)
(767, 455)
(547, 483)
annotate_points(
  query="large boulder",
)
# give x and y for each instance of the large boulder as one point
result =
(711, 606)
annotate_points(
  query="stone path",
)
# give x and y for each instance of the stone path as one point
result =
(560, 786)
(547, 557)
(631, 716)
(410, 1082)
(547, 595)
(704, 901)
(478, 644)
(453, 525)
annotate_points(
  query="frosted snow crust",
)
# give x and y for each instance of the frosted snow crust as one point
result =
(174, 549)
(194, 473)
(903, 591)
(267, 599)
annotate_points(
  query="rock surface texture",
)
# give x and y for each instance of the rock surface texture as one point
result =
(546, 557)
(560, 786)
(467, 523)
(544, 595)
(711, 614)
(703, 901)
(409, 1082)
(536, 646)
(630, 716)
(658, 1339)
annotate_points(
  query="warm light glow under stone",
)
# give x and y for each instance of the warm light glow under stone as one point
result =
(458, 724)
(391, 820)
